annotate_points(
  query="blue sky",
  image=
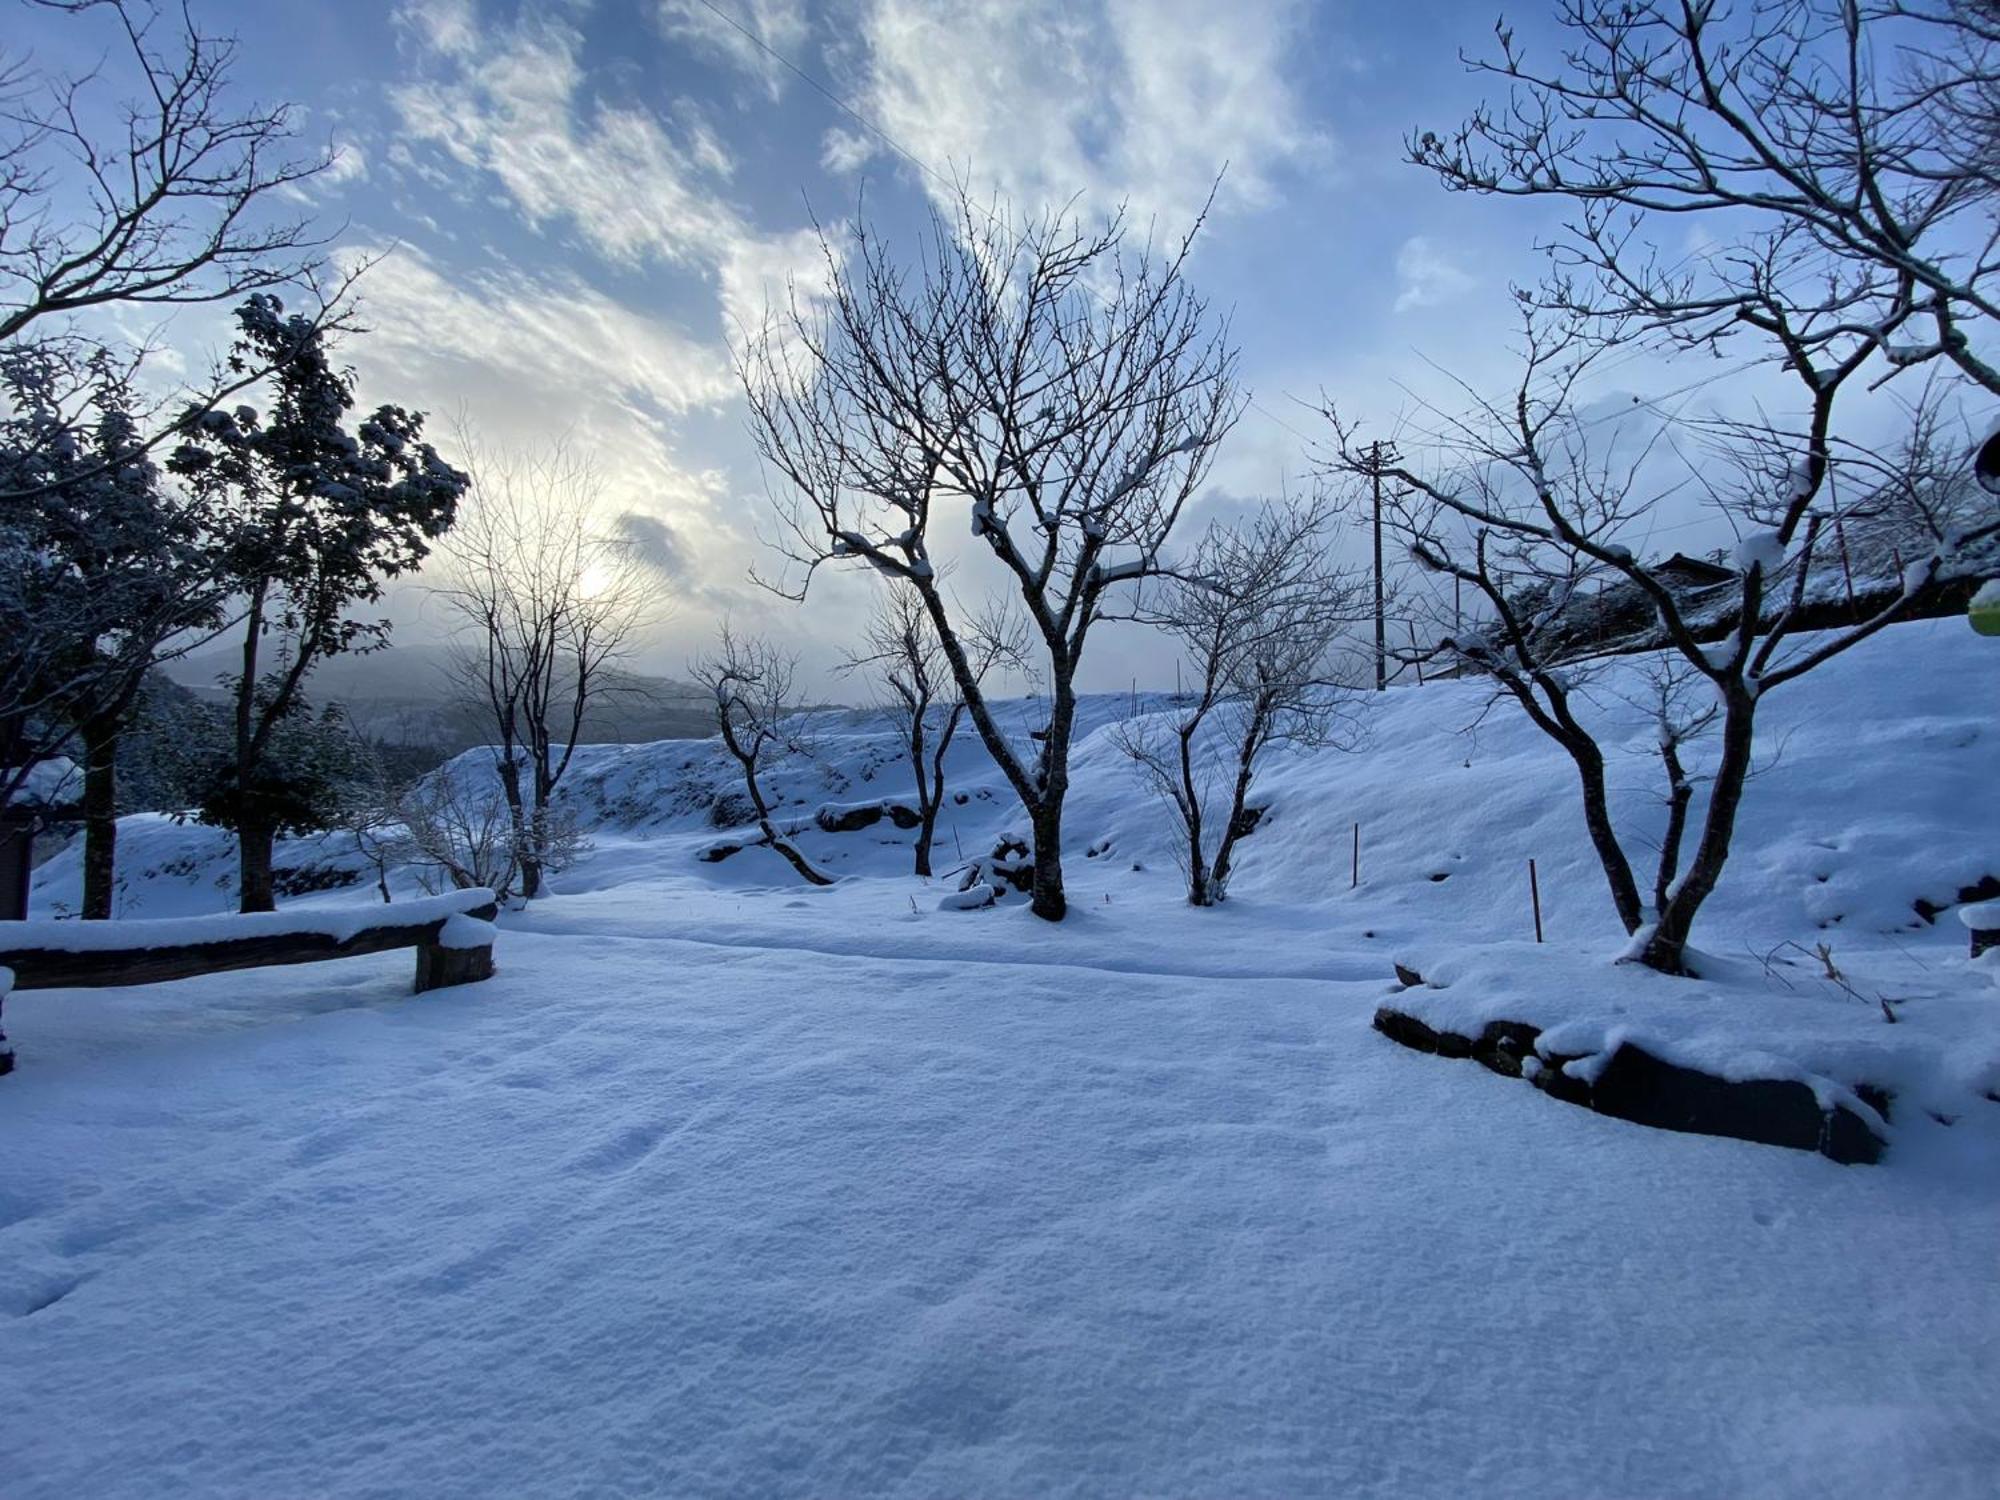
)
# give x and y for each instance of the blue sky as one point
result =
(577, 202)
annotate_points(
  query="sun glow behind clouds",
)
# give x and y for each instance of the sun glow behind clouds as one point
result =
(598, 200)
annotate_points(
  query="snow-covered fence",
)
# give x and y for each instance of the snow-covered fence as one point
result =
(452, 934)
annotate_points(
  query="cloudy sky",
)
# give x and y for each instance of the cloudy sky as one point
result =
(578, 202)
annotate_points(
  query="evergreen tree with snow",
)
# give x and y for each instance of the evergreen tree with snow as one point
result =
(314, 519)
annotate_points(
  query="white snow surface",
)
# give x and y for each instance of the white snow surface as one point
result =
(728, 1185)
(462, 931)
(1981, 916)
(1760, 549)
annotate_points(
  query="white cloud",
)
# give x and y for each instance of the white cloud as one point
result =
(447, 26)
(846, 150)
(349, 164)
(529, 360)
(759, 276)
(1426, 275)
(779, 25)
(512, 104)
(1144, 101)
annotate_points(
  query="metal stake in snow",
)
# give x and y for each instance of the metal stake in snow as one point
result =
(1356, 880)
(1535, 895)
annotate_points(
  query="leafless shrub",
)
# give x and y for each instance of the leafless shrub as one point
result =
(1260, 612)
(756, 710)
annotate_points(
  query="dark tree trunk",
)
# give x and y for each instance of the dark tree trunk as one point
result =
(930, 791)
(1666, 947)
(747, 759)
(796, 860)
(100, 815)
(517, 816)
(1679, 794)
(1604, 838)
(1559, 724)
(254, 840)
(1254, 736)
(1048, 903)
(534, 860)
(1045, 814)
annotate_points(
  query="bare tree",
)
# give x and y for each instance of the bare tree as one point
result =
(176, 207)
(461, 839)
(1682, 710)
(548, 604)
(372, 815)
(1058, 391)
(1259, 610)
(1849, 235)
(920, 694)
(1516, 508)
(756, 709)
(1840, 150)
(1966, 89)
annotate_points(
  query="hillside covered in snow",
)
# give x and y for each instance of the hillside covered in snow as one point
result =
(726, 1184)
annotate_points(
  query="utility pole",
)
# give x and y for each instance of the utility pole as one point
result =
(1381, 634)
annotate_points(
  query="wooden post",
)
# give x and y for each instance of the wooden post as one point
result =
(1356, 880)
(1535, 895)
(1375, 467)
(1846, 567)
(439, 967)
(17, 863)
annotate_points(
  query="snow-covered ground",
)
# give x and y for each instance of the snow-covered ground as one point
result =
(725, 1185)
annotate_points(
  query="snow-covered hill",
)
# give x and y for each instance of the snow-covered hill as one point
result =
(725, 1185)
(1875, 796)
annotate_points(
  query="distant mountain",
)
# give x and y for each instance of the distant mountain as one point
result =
(404, 696)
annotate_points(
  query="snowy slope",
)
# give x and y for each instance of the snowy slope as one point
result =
(1875, 794)
(729, 1186)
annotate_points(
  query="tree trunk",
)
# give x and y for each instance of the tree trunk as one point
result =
(517, 816)
(1679, 794)
(1199, 890)
(254, 839)
(100, 815)
(1666, 948)
(1255, 733)
(1048, 903)
(534, 864)
(796, 860)
(1604, 838)
(1045, 815)
(926, 831)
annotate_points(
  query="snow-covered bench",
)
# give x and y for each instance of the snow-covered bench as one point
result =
(1982, 919)
(452, 933)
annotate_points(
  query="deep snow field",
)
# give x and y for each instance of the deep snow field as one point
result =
(725, 1185)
